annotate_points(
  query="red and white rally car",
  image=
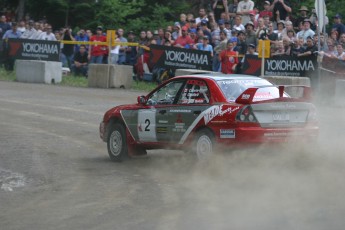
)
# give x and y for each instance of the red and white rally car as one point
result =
(199, 112)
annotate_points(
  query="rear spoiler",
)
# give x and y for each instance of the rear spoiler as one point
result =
(296, 92)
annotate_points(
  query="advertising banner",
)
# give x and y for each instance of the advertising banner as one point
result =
(179, 58)
(280, 66)
(28, 49)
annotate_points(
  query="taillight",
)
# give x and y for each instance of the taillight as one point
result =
(246, 115)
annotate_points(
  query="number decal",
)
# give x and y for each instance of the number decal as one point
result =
(147, 121)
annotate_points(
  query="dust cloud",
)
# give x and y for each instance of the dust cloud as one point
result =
(291, 187)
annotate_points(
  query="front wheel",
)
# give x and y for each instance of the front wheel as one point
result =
(116, 142)
(204, 144)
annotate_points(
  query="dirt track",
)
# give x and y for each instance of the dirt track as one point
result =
(55, 173)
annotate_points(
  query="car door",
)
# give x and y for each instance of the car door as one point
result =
(193, 101)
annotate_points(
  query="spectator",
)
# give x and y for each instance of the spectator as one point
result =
(306, 32)
(250, 34)
(310, 49)
(252, 16)
(30, 31)
(177, 31)
(280, 9)
(338, 25)
(4, 26)
(204, 45)
(241, 46)
(238, 23)
(184, 41)
(122, 52)
(339, 53)
(202, 15)
(232, 12)
(97, 52)
(243, 9)
(38, 31)
(168, 37)
(269, 34)
(288, 27)
(287, 45)
(330, 47)
(12, 33)
(68, 49)
(81, 37)
(342, 39)
(160, 40)
(47, 35)
(266, 11)
(334, 36)
(219, 6)
(205, 29)
(297, 47)
(80, 62)
(183, 20)
(228, 58)
(89, 33)
(251, 50)
(279, 50)
(131, 51)
(149, 35)
(21, 27)
(228, 29)
(218, 49)
(280, 29)
(192, 34)
(114, 53)
(303, 15)
(266, 20)
(261, 27)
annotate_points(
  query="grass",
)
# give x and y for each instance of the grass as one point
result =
(79, 81)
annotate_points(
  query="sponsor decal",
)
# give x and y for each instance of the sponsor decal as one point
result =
(161, 129)
(245, 96)
(182, 56)
(179, 125)
(227, 133)
(283, 106)
(162, 122)
(180, 111)
(218, 111)
(290, 65)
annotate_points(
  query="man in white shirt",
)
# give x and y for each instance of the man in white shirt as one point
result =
(48, 35)
(306, 32)
(244, 8)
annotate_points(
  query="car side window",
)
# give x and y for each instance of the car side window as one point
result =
(195, 92)
(166, 94)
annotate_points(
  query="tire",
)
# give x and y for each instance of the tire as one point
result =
(203, 144)
(117, 143)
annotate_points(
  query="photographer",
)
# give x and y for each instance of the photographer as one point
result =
(297, 47)
(68, 49)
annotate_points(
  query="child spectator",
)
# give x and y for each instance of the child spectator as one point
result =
(228, 59)
(266, 11)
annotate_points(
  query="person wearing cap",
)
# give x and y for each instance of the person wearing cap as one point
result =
(12, 33)
(310, 49)
(241, 46)
(192, 34)
(228, 58)
(228, 29)
(97, 52)
(131, 51)
(204, 46)
(184, 40)
(280, 9)
(303, 15)
(250, 34)
(266, 10)
(306, 32)
(251, 50)
(243, 9)
(338, 25)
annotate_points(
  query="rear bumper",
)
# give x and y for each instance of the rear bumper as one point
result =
(102, 131)
(259, 135)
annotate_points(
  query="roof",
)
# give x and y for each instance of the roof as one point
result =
(220, 76)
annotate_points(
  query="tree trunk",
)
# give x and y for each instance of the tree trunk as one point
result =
(20, 10)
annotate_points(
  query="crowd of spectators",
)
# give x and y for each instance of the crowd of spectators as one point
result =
(228, 31)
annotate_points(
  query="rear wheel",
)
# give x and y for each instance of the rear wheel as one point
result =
(203, 144)
(117, 143)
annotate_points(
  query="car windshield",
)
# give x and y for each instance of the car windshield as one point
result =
(233, 88)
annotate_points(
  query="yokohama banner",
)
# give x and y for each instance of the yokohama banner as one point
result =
(280, 66)
(179, 58)
(29, 49)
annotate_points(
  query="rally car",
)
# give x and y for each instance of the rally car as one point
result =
(201, 112)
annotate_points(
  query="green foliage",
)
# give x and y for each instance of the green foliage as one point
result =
(7, 75)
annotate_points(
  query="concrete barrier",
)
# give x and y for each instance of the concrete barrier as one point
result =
(121, 76)
(180, 72)
(33, 71)
(110, 76)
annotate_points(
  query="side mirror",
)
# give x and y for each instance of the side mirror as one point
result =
(141, 100)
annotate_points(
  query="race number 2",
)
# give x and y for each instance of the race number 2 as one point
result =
(147, 125)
